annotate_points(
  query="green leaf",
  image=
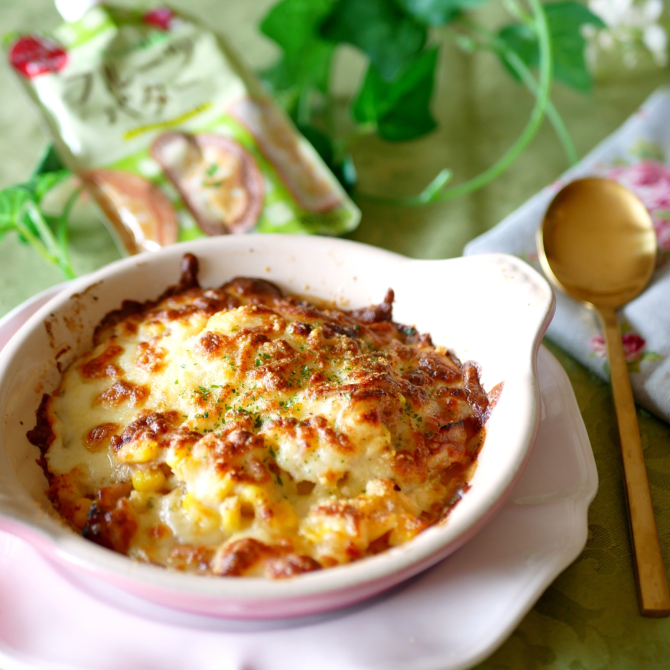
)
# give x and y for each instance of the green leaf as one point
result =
(293, 23)
(389, 37)
(305, 63)
(523, 41)
(647, 150)
(14, 201)
(289, 77)
(437, 12)
(12, 205)
(651, 356)
(400, 109)
(49, 161)
(19, 211)
(39, 184)
(565, 20)
(13, 210)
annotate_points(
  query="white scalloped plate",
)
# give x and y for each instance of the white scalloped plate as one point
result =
(493, 309)
(448, 618)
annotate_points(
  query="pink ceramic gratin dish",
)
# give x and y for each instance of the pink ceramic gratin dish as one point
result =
(493, 309)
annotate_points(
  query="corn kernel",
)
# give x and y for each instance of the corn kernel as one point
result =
(189, 502)
(231, 515)
(178, 456)
(138, 451)
(284, 518)
(219, 488)
(148, 481)
(250, 493)
(206, 519)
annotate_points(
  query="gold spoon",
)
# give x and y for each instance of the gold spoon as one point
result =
(597, 244)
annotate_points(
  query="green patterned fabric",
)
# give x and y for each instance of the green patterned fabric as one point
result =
(588, 619)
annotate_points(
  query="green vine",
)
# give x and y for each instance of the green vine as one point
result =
(516, 64)
(393, 100)
(431, 194)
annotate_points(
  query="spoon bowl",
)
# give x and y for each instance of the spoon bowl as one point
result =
(597, 244)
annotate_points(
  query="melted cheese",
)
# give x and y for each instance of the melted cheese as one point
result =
(239, 432)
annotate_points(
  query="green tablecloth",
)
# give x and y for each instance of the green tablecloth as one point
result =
(588, 619)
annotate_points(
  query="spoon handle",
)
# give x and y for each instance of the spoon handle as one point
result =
(651, 578)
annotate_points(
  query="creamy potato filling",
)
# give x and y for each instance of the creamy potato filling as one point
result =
(237, 431)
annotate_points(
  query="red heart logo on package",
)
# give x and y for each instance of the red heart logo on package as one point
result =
(33, 56)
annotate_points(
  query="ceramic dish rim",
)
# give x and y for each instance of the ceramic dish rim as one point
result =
(419, 554)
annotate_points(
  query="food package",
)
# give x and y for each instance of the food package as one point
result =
(173, 137)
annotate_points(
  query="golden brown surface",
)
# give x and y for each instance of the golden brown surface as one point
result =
(238, 431)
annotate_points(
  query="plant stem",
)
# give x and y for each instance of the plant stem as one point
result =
(43, 229)
(56, 253)
(552, 113)
(62, 231)
(533, 125)
(515, 10)
(36, 243)
(512, 59)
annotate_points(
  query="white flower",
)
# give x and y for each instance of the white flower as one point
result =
(656, 40)
(620, 14)
(630, 24)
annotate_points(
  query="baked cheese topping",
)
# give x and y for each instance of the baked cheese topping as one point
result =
(237, 431)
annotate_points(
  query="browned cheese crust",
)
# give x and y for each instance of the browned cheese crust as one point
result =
(239, 431)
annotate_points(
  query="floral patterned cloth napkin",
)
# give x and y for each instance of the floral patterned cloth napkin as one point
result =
(637, 155)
